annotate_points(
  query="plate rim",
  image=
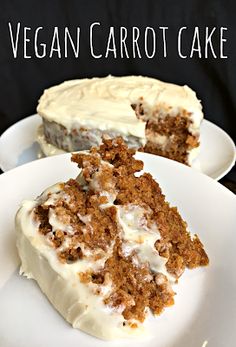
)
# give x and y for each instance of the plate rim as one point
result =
(232, 144)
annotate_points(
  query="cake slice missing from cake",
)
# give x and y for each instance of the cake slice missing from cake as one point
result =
(163, 118)
(106, 247)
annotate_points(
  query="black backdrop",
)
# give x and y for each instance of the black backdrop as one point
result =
(23, 80)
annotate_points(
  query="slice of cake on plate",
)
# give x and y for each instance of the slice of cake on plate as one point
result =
(163, 118)
(106, 247)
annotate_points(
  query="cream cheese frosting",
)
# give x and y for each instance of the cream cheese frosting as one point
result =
(105, 103)
(47, 149)
(78, 302)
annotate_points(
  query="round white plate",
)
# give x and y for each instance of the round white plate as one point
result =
(205, 308)
(18, 146)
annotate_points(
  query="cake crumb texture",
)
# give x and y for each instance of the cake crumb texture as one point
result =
(90, 207)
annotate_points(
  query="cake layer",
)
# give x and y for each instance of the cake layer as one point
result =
(170, 137)
(106, 248)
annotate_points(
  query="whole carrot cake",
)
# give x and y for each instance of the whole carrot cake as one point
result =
(163, 118)
(106, 247)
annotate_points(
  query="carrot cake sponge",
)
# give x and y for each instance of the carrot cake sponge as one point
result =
(106, 247)
(163, 118)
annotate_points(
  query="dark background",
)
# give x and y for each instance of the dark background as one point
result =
(23, 80)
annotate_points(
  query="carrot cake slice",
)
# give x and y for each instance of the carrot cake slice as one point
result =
(163, 118)
(106, 247)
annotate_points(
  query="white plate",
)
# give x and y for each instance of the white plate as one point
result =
(18, 146)
(205, 308)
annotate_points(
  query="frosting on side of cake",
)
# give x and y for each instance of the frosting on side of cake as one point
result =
(47, 148)
(105, 103)
(76, 301)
